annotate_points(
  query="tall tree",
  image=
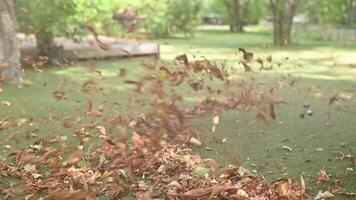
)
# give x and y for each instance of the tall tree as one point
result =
(48, 19)
(238, 13)
(331, 12)
(283, 12)
(10, 67)
(237, 23)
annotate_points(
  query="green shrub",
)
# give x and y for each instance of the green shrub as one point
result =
(165, 17)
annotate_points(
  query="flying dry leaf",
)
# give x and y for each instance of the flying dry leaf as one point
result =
(183, 58)
(122, 72)
(90, 105)
(246, 67)
(248, 56)
(164, 72)
(333, 98)
(138, 84)
(271, 111)
(261, 117)
(101, 44)
(196, 85)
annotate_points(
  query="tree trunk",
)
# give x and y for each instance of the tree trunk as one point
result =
(283, 12)
(236, 24)
(10, 67)
(48, 50)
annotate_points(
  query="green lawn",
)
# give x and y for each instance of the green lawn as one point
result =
(321, 70)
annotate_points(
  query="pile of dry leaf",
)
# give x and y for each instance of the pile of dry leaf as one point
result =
(156, 161)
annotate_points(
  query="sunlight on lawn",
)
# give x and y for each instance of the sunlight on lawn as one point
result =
(319, 71)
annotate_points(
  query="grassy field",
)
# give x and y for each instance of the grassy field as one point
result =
(321, 70)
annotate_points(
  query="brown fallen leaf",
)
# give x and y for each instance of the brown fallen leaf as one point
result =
(145, 195)
(88, 83)
(59, 95)
(198, 193)
(74, 158)
(67, 195)
(282, 189)
(138, 84)
(322, 176)
(90, 105)
(302, 185)
(213, 164)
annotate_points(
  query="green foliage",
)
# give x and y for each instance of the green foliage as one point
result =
(251, 11)
(47, 18)
(332, 11)
(166, 17)
(183, 15)
(156, 24)
(98, 13)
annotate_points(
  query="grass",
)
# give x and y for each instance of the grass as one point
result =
(321, 68)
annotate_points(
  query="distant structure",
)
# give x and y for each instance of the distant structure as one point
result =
(212, 19)
(297, 19)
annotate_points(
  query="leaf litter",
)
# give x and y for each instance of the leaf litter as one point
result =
(156, 162)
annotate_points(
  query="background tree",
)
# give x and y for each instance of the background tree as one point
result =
(10, 68)
(331, 11)
(184, 15)
(283, 12)
(239, 13)
(167, 17)
(46, 20)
